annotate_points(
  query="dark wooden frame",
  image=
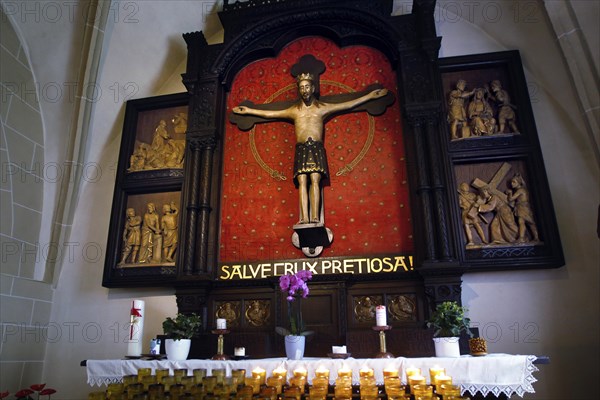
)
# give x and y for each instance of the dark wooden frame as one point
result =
(259, 29)
(142, 183)
(522, 150)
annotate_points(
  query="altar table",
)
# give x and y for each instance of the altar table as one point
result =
(492, 374)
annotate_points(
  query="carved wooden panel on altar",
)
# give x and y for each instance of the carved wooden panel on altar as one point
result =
(504, 209)
(144, 230)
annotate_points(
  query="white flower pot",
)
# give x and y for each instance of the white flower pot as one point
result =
(177, 350)
(446, 347)
(294, 347)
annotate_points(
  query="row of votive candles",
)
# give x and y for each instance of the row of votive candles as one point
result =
(217, 386)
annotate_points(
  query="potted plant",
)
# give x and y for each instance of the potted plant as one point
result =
(448, 321)
(294, 285)
(180, 331)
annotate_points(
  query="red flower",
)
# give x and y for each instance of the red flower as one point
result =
(4, 394)
(38, 387)
(48, 391)
(23, 393)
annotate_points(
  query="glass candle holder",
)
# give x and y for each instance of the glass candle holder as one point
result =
(317, 392)
(301, 372)
(160, 373)
(156, 390)
(148, 380)
(292, 392)
(134, 389)
(322, 372)
(282, 373)
(219, 373)
(366, 372)
(254, 382)
(442, 380)
(268, 392)
(416, 380)
(96, 396)
(368, 392)
(179, 373)
(130, 379)
(320, 382)
(276, 382)
(260, 373)
(390, 372)
(434, 371)
(199, 373)
(168, 380)
(298, 381)
(142, 372)
(443, 387)
(209, 383)
(177, 390)
(412, 371)
(422, 390)
(188, 381)
(345, 372)
(343, 381)
(343, 392)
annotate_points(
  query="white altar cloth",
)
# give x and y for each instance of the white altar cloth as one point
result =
(494, 373)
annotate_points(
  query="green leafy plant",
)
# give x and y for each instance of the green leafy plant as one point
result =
(183, 326)
(449, 320)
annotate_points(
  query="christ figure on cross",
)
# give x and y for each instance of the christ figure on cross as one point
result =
(308, 115)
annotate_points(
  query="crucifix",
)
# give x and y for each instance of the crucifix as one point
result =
(309, 114)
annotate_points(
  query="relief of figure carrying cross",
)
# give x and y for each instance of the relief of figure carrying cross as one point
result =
(309, 114)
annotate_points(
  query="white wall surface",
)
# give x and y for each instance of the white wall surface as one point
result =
(543, 312)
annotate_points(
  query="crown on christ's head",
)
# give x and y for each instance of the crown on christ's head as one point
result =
(306, 76)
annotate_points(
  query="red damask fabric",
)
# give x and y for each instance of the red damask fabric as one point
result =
(367, 208)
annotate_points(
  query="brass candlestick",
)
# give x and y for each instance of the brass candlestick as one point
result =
(383, 353)
(220, 355)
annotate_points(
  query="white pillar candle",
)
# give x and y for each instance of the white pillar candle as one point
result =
(136, 328)
(221, 323)
(380, 316)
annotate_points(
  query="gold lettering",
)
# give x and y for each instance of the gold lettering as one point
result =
(387, 261)
(288, 268)
(360, 266)
(410, 260)
(312, 267)
(379, 268)
(275, 266)
(225, 270)
(400, 262)
(348, 267)
(326, 264)
(236, 271)
(337, 266)
(265, 271)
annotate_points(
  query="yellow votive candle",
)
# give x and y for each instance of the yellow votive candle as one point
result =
(442, 379)
(344, 372)
(260, 373)
(301, 372)
(281, 372)
(390, 372)
(366, 372)
(412, 371)
(322, 372)
(434, 371)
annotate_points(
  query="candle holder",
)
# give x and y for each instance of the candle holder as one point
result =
(383, 353)
(220, 355)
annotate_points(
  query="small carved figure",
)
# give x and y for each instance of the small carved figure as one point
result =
(481, 115)
(506, 113)
(457, 115)
(150, 231)
(308, 116)
(168, 225)
(470, 216)
(180, 122)
(228, 311)
(257, 313)
(131, 236)
(503, 228)
(402, 308)
(520, 196)
(365, 310)
(137, 161)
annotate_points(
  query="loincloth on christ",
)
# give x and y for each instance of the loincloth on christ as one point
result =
(310, 157)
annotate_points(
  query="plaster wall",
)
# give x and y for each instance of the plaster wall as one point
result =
(545, 312)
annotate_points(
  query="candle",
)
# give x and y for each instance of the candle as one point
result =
(281, 372)
(260, 373)
(221, 323)
(345, 372)
(442, 379)
(322, 372)
(389, 372)
(239, 351)
(365, 372)
(416, 379)
(136, 328)
(380, 316)
(300, 372)
(412, 371)
(435, 371)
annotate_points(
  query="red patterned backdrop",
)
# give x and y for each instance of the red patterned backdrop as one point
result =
(367, 208)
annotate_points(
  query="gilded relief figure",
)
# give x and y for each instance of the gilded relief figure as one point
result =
(506, 113)
(229, 312)
(180, 122)
(520, 196)
(364, 310)
(402, 308)
(162, 152)
(470, 216)
(168, 224)
(257, 313)
(310, 161)
(503, 228)
(150, 248)
(131, 237)
(457, 115)
(481, 114)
